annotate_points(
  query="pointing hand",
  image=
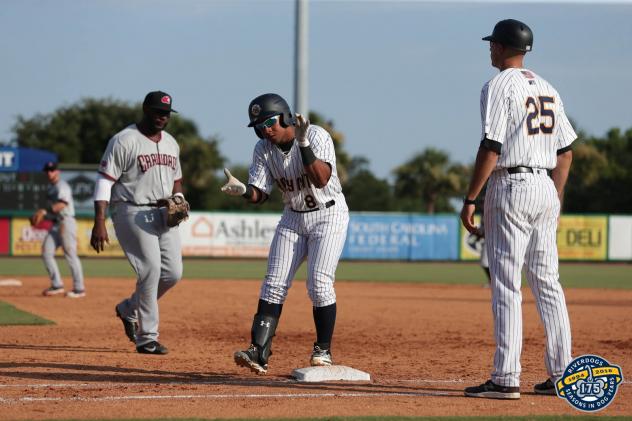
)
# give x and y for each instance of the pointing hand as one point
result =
(233, 187)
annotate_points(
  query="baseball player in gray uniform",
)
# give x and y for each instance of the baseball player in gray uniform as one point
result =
(140, 166)
(300, 159)
(525, 135)
(63, 233)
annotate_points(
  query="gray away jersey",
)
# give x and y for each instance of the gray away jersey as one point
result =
(271, 166)
(144, 170)
(525, 114)
(61, 192)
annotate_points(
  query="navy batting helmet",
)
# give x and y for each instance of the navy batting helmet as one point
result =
(512, 33)
(268, 105)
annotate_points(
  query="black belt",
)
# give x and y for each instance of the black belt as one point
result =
(520, 169)
(325, 206)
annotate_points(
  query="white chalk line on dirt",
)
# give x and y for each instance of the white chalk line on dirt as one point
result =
(29, 399)
(199, 382)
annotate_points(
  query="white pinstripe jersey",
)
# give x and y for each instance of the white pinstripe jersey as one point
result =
(271, 166)
(144, 170)
(526, 115)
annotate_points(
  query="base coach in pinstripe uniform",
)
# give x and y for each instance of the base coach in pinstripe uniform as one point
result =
(526, 136)
(300, 159)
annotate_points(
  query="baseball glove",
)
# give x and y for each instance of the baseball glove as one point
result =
(38, 217)
(177, 209)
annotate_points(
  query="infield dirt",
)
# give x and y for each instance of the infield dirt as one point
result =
(421, 344)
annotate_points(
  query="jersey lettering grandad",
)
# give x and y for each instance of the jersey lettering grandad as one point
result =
(144, 170)
(271, 166)
(525, 114)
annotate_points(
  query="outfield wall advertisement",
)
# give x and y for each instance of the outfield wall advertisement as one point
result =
(620, 238)
(371, 236)
(228, 234)
(5, 236)
(583, 238)
(401, 237)
(27, 241)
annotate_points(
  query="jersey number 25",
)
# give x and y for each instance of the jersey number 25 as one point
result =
(535, 114)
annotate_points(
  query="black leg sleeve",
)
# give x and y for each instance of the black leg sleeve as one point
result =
(269, 309)
(325, 321)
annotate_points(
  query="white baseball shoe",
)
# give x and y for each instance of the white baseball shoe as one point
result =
(50, 291)
(320, 357)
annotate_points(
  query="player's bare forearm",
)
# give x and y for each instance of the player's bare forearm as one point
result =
(99, 235)
(100, 207)
(177, 187)
(560, 172)
(485, 163)
(319, 173)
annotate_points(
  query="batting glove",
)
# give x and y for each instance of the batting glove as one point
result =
(300, 130)
(233, 187)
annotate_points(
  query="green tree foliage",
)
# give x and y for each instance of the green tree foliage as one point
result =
(428, 181)
(79, 133)
(342, 157)
(200, 159)
(365, 192)
(601, 174)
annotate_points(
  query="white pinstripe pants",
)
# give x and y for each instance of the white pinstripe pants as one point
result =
(318, 236)
(521, 212)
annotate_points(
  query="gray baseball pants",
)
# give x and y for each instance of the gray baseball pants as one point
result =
(63, 234)
(154, 251)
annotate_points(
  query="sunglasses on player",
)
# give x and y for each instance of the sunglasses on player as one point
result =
(267, 123)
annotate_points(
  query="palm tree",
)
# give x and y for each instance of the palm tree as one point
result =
(430, 176)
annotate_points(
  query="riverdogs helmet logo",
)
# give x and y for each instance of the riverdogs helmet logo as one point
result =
(589, 383)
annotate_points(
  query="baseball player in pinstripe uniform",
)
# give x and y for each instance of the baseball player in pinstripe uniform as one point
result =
(63, 233)
(300, 159)
(141, 166)
(525, 135)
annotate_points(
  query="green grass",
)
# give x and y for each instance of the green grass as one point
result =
(10, 315)
(575, 275)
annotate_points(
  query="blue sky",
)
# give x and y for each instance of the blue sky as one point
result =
(396, 77)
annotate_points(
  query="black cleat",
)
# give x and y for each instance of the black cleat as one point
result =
(250, 359)
(130, 327)
(152, 347)
(491, 390)
(545, 388)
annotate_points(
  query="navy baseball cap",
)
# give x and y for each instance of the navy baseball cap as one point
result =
(159, 100)
(50, 166)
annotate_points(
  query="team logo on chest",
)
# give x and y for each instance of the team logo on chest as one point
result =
(289, 185)
(147, 161)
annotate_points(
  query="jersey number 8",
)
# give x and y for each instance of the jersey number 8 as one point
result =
(545, 113)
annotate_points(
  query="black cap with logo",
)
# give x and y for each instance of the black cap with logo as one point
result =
(159, 100)
(50, 166)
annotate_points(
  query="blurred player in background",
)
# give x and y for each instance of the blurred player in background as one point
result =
(60, 215)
